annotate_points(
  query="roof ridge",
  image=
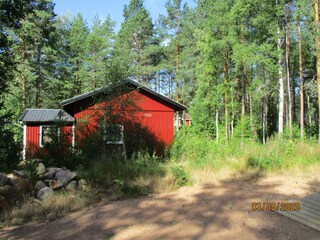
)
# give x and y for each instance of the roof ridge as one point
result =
(43, 109)
(45, 115)
(178, 106)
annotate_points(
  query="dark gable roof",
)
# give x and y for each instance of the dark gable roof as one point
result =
(45, 115)
(175, 105)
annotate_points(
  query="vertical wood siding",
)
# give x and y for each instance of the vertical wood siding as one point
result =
(147, 111)
(33, 148)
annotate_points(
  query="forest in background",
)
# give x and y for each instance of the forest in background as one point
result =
(246, 69)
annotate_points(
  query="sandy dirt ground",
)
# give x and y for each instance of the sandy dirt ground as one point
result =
(220, 211)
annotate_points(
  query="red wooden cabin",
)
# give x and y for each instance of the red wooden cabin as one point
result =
(124, 112)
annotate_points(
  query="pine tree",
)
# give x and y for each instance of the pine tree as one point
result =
(34, 53)
(77, 38)
(135, 35)
(99, 46)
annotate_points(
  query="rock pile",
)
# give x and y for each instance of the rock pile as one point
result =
(14, 186)
(53, 179)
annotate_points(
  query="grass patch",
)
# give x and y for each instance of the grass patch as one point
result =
(49, 209)
(207, 159)
(141, 175)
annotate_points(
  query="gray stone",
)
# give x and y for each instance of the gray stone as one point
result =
(21, 184)
(4, 180)
(65, 176)
(39, 185)
(3, 203)
(34, 200)
(9, 193)
(55, 184)
(19, 173)
(72, 186)
(51, 172)
(45, 193)
(41, 169)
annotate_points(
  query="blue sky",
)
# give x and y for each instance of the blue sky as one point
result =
(114, 8)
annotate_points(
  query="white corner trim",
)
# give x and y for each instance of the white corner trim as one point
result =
(40, 136)
(24, 142)
(73, 136)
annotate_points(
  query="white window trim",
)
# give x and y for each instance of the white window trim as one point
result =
(46, 126)
(116, 142)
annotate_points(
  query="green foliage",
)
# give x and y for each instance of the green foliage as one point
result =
(244, 129)
(58, 151)
(111, 171)
(181, 178)
(134, 37)
(199, 152)
(9, 147)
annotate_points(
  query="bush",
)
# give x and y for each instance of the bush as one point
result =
(197, 151)
(180, 176)
(121, 176)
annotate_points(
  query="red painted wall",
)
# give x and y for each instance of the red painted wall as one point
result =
(147, 112)
(33, 148)
(142, 114)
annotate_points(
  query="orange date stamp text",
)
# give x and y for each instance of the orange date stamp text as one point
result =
(275, 206)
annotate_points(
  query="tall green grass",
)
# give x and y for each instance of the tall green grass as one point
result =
(126, 178)
(199, 151)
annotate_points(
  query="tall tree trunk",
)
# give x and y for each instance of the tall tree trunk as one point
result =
(301, 81)
(226, 101)
(217, 124)
(38, 79)
(289, 99)
(318, 57)
(309, 110)
(177, 70)
(243, 82)
(233, 115)
(293, 88)
(281, 87)
(264, 122)
(243, 97)
(22, 76)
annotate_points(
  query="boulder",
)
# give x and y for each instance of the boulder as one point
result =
(21, 184)
(19, 173)
(65, 176)
(3, 203)
(41, 169)
(39, 185)
(54, 184)
(45, 193)
(4, 180)
(9, 193)
(51, 172)
(72, 186)
(34, 200)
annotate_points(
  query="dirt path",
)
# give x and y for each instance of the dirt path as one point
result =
(221, 211)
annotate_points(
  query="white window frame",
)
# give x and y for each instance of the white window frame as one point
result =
(46, 126)
(105, 134)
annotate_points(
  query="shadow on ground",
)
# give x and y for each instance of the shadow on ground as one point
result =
(220, 211)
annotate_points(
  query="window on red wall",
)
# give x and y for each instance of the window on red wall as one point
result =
(47, 133)
(113, 134)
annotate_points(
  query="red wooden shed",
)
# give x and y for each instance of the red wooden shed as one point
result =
(123, 112)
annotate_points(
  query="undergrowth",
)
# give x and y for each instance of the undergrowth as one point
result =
(200, 152)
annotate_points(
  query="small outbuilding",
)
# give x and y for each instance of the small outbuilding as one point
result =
(127, 113)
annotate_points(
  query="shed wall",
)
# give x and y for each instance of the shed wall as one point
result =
(133, 109)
